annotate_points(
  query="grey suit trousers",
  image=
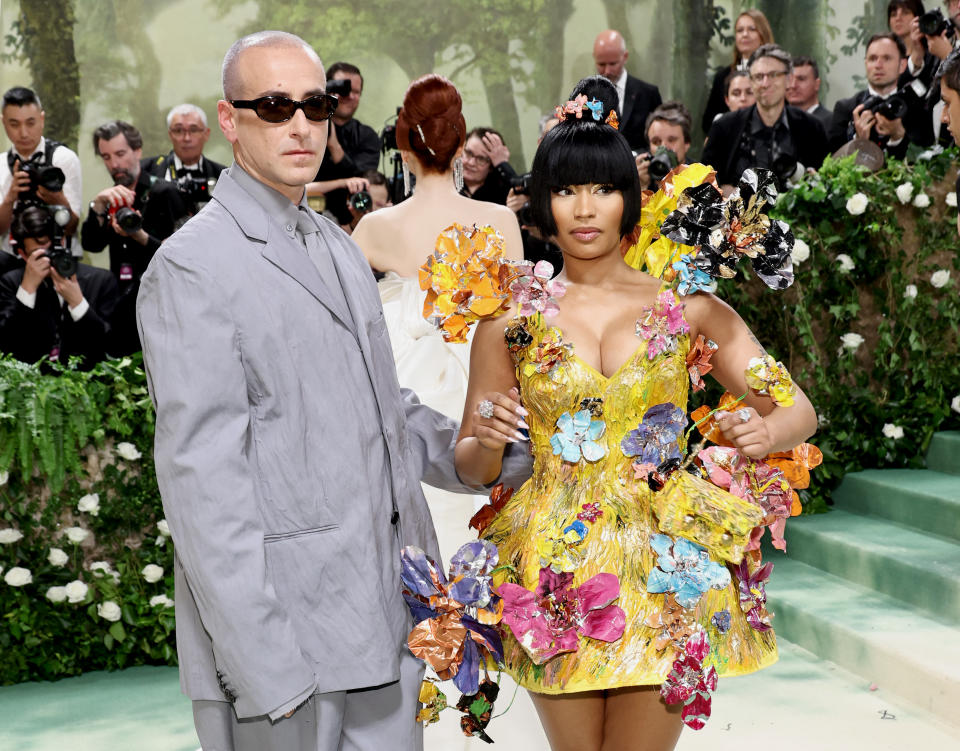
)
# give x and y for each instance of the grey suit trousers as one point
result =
(370, 719)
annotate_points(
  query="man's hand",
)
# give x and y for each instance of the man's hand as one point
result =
(113, 197)
(20, 183)
(139, 236)
(333, 144)
(52, 197)
(36, 270)
(643, 169)
(67, 288)
(863, 122)
(914, 42)
(516, 201)
(496, 149)
(892, 129)
(355, 184)
(941, 46)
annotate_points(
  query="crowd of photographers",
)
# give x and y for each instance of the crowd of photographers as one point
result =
(764, 110)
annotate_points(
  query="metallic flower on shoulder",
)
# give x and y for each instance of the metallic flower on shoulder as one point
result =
(684, 568)
(550, 620)
(771, 378)
(463, 280)
(657, 438)
(662, 324)
(690, 683)
(753, 593)
(498, 499)
(563, 554)
(578, 436)
(454, 618)
(548, 349)
(698, 361)
(754, 481)
(691, 279)
(534, 289)
(727, 230)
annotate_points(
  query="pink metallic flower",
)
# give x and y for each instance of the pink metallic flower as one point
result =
(551, 619)
(753, 594)
(662, 324)
(534, 290)
(690, 684)
(591, 512)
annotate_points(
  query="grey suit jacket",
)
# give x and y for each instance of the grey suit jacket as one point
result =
(286, 582)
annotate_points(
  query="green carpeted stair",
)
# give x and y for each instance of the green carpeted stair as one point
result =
(874, 585)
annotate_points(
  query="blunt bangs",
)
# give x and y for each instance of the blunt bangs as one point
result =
(583, 153)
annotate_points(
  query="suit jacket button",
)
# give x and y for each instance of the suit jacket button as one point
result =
(395, 517)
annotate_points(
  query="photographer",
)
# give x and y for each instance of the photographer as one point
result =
(941, 37)
(35, 170)
(132, 218)
(950, 97)
(770, 134)
(53, 307)
(881, 113)
(668, 133)
(487, 174)
(352, 147)
(186, 165)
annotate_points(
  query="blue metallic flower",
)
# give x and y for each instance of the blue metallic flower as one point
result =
(684, 568)
(690, 278)
(657, 437)
(721, 621)
(579, 435)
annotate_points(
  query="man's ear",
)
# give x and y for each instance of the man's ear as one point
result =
(903, 64)
(226, 117)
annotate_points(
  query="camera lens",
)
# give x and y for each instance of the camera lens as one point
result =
(128, 219)
(361, 201)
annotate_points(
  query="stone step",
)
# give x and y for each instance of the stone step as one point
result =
(873, 635)
(944, 452)
(919, 498)
(916, 568)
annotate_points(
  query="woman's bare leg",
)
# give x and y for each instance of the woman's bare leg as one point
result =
(636, 719)
(572, 722)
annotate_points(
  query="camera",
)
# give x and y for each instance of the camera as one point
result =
(340, 87)
(62, 260)
(195, 189)
(361, 202)
(42, 176)
(127, 218)
(932, 23)
(661, 163)
(521, 184)
(893, 107)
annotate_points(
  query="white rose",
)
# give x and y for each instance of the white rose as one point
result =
(857, 204)
(851, 340)
(89, 504)
(109, 611)
(940, 278)
(163, 527)
(9, 536)
(57, 594)
(800, 252)
(100, 568)
(18, 577)
(57, 557)
(921, 200)
(4, 476)
(951, 199)
(910, 291)
(76, 591)
(161, 600)
(76, 535)
(845, 263)
(892, 431)
(955, 403)
(152, 573)
(905, 192)
(160, 541)
(128, 451)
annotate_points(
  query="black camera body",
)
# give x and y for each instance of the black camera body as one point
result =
(44, 176)
(361, 202)
(341, 87)
(933, 23)
(894, 107)
(62, 260)
(521, 184)
(195, 189)
(662, 162)
(128, 219)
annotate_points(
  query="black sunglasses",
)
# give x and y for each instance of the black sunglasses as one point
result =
(279, 109)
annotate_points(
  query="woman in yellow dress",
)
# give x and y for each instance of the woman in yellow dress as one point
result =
(603, 612)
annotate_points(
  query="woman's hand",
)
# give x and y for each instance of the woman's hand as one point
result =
(498, 419)
(747, 431)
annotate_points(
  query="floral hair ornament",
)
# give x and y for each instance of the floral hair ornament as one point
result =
(572, 107)
(464, 279)
(612, 120)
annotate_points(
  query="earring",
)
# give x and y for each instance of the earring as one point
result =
(458, 174)
(406, 179)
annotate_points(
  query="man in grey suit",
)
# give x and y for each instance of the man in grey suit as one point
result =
(288, 458)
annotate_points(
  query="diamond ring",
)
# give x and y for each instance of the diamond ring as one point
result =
(744, 414)
(485, 409)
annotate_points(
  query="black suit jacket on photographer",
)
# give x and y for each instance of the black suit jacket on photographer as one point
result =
(30, 334)
(361, 152)
(639, 100)
(916, 123)
(723, 150)
(159, 165)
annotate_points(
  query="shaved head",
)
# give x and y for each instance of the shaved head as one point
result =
(230, 72)
(610, 40)
(610, 54)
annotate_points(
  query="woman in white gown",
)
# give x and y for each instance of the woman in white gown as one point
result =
(397, 240)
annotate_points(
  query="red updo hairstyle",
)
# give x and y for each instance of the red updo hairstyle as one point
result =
(433, 104)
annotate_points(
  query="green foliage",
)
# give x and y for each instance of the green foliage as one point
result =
(62, 438)
(904, 372)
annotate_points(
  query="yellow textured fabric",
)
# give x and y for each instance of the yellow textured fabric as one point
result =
(619, 541)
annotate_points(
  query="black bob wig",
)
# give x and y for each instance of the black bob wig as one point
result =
(584, 152)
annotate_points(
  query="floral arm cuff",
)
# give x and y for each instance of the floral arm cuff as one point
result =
(768, 377)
